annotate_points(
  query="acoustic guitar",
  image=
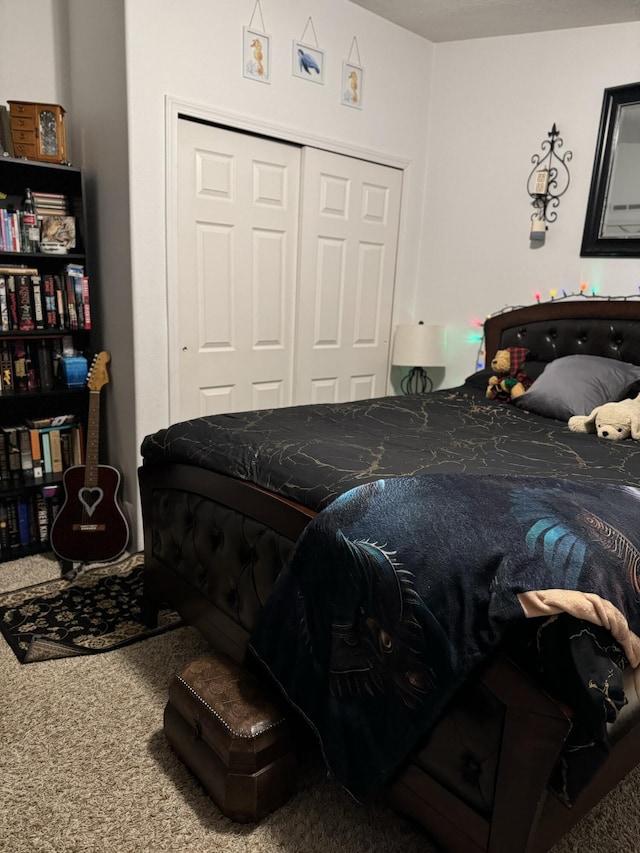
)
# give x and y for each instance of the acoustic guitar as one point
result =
(90, 525)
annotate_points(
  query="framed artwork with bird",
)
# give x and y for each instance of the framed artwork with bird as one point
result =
(308, 62)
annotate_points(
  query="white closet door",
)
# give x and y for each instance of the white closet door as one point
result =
(350, 213)
(237, 247)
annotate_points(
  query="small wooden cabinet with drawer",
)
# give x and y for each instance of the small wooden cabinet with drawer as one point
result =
(38, 131)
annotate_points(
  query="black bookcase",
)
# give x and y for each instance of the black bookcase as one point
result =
(25, 498)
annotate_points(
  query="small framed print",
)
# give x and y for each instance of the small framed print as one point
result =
(308, 62)
(256, 55)
(352, 77)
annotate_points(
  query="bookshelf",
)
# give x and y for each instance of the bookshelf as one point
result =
(53, 318)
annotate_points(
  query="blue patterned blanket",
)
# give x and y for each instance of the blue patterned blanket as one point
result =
(400, 588)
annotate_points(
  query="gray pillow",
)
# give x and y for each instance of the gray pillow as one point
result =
(576, 384)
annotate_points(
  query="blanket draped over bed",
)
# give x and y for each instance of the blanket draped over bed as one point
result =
(401, 587)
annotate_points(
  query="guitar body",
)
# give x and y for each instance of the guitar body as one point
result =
(90, 526)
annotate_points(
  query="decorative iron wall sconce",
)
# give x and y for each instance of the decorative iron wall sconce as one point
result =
(548, 181)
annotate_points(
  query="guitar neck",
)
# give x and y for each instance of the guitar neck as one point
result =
(93, 440)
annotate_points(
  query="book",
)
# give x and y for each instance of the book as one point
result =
(6, 366)
(39, 308)
(46, 453)
(86, 303)
(25, 304)
(36, 453)
(32, 373)
(13, 228)
(24, 526)
(72, 297)
(61, 302)
(51, 494)
(52, 320)
(56, 451)
(4, 237)
(65, 445)
(20, 377)
(45, 367)
(13, 530)
(42, 516)
(4, 305)
(12, 302)
(51, 421)
(77, 445)
(13, 450)
(4, 531)
(4, 459)
(26, 460)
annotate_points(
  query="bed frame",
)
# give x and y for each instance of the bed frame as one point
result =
(214, 547)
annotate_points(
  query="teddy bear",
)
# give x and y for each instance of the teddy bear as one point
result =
(510, 379)
(613, 421)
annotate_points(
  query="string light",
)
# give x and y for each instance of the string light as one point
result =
(583, 294)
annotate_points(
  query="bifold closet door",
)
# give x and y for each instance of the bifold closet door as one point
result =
(237, 198)
(349, 222)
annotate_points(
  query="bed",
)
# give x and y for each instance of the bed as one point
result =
(225, 499)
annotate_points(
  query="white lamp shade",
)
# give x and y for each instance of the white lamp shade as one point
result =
(419, 346)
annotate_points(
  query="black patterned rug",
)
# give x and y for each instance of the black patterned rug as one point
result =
(98, 611)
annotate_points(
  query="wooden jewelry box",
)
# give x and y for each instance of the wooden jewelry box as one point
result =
(38, 131)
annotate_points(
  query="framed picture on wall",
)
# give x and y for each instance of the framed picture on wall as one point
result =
(308, 62)
(352, 79)
(256, 55)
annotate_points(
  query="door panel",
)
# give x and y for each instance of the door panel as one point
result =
(348, 242)
(237, 249)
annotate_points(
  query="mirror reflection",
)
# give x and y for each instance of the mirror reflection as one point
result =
(612, 224)
(622, 205)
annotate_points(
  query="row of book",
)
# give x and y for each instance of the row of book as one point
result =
(30, 452)
(13, 231)
(45, 203)
(26, 520)
(33, 365)
(30, 301)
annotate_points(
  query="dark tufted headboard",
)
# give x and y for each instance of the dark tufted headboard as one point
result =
(549, 330)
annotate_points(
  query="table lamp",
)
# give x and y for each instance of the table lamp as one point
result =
(418, 346)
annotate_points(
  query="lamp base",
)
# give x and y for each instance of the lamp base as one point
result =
(416, 382)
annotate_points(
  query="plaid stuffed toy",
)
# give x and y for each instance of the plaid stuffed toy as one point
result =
(510, 379)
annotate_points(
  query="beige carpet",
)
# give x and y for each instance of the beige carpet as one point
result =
(85, 768)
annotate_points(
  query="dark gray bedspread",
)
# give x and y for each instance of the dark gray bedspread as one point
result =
(312, 454)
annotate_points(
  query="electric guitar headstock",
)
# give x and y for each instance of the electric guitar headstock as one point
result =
(98, 376)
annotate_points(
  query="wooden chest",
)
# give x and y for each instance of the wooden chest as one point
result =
(38, 131)
(227, 731)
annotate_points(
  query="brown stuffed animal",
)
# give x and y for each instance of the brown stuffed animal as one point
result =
(510, 379)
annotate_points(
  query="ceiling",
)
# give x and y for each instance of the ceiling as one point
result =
(453, 20)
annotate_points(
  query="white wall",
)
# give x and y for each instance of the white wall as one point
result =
(38, 75)
(494, 101)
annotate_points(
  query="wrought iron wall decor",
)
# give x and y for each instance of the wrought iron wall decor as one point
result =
(548, 181)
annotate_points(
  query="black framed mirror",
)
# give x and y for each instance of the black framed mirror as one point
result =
(612, 224)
